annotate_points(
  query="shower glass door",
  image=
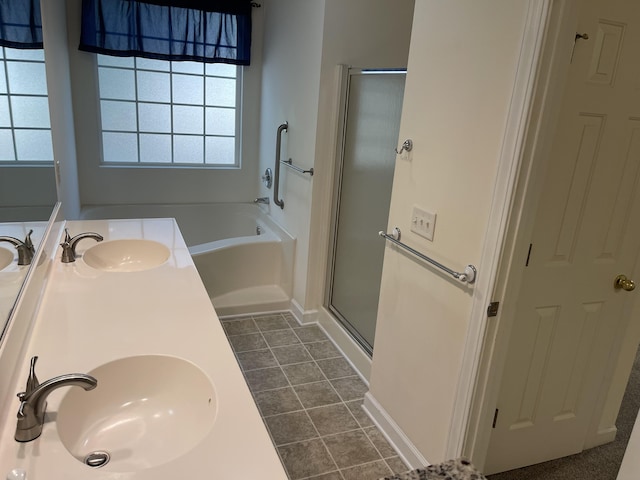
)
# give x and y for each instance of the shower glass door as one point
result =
(372, 110)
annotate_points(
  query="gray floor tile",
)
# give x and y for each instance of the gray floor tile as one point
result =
(332, 419)
(253, 359)
(336, 368)
(300, 373)
(369, 471)
(351, 448)
(381, 443)
(310, 333)
(291, 354)
(281, 400)
(396, 465)
(266, 379)
(350, 388)
(275, 352)
(316, 394)
(271, 322)
(305, 459)
(291, 320)
(239, 326)
(279, 338)
(250, 341)
(320, 350)
(356, 409)
(290, 427)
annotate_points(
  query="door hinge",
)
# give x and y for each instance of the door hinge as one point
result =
(495, 419)
(492, 309)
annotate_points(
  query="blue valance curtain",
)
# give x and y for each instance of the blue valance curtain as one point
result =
(20, 24)
(212, 31)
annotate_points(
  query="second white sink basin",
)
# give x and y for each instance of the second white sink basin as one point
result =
(131, 255)
(6, 258)
(146, 411)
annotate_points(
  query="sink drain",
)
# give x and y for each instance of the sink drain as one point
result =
(97, 459)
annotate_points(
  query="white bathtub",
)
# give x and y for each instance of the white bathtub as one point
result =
(243, 271)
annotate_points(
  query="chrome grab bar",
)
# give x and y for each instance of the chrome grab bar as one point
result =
(468, 276)
(276, 175)
(289, 163)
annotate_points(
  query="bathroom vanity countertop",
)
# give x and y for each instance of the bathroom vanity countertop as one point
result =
(89, 317)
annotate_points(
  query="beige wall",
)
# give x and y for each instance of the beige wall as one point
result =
(462, 65)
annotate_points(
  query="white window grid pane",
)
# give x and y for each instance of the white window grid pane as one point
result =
(7, 149)
(179, 117)
(35, 54)
(26, 78)
(33, 145)
(24, 113)
(30, 112)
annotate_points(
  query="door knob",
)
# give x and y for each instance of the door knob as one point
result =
(624, 283)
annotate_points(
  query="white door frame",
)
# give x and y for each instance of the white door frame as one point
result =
(538, 86)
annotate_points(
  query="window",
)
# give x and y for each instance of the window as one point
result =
(25, 129)
(157, 112)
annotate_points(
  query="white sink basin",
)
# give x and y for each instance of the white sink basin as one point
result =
(131, 255)
(6, 258)
(145, 411)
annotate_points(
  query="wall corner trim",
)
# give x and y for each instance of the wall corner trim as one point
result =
(303, 316)
(392, 432)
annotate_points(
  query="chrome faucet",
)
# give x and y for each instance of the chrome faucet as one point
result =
(25, 249)
(33, 401)
(264, 200)
(69, 244)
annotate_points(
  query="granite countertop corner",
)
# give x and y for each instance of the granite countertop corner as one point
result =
(458, 469)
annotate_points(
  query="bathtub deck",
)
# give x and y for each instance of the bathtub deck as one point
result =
(261, 298)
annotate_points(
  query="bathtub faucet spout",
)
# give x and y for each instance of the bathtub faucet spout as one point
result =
(264, 200)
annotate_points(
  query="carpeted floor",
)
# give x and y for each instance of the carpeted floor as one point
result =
(600, 463)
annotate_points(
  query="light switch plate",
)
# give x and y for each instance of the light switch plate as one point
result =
(423, 222)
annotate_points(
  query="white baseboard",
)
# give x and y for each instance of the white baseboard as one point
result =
(394, 435)
(303, 316)
(346, 344)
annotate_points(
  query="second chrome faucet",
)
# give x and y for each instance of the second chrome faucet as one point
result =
(69, 244)
(33, 401)
(26, 250)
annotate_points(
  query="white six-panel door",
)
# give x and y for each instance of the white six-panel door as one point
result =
(569, 317)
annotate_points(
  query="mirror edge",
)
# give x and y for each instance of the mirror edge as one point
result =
(22, 317)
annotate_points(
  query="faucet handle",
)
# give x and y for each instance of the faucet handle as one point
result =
(27, 241)
(23, 404)
(32, 380)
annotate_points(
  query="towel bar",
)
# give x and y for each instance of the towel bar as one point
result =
(468, 276)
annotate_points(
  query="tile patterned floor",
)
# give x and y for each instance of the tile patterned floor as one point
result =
(310, 399)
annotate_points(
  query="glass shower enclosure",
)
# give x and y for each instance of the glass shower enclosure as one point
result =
(372, 101)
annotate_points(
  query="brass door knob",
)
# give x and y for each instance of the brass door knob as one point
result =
(624, 283)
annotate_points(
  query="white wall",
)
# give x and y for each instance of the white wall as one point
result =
(462, 65)
(290, 86)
